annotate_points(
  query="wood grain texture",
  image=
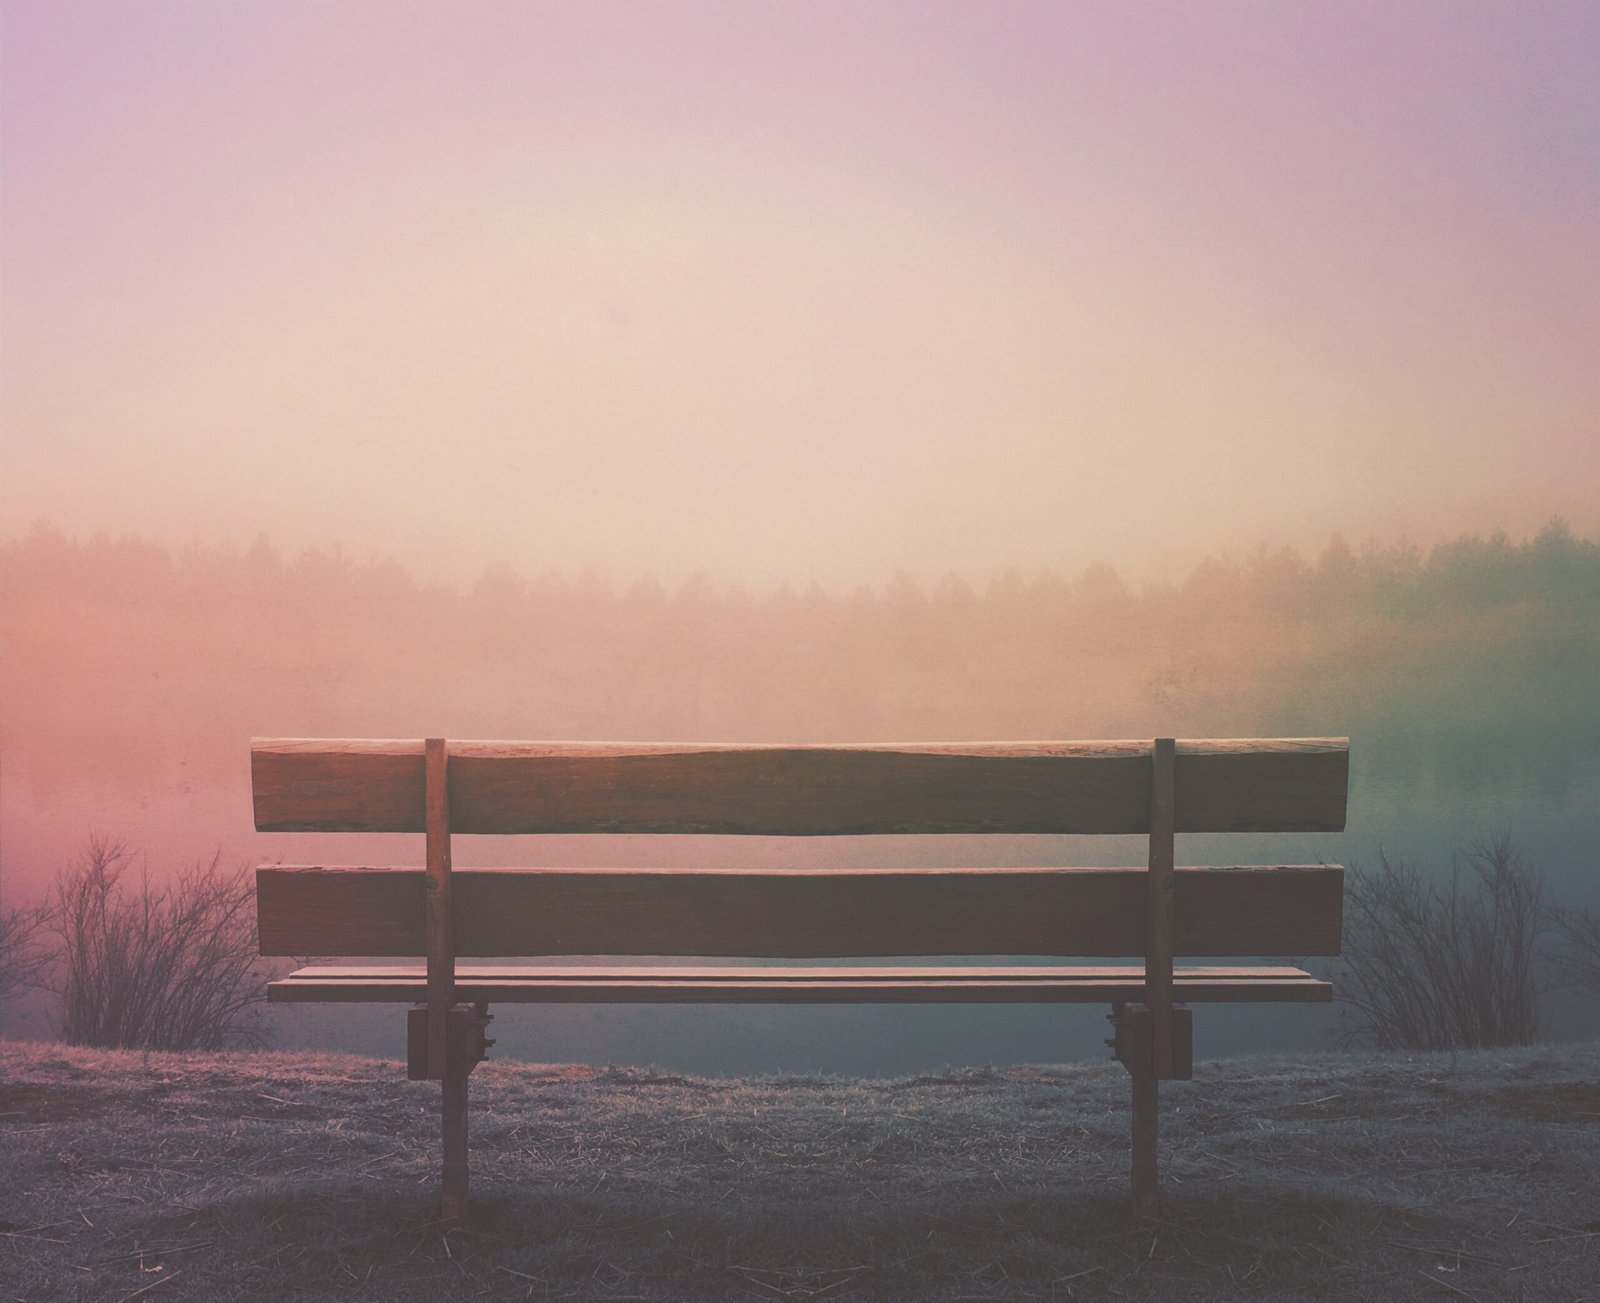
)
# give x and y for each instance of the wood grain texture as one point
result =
(1159, 901)
(538, 984)
(1289, 910)
(1228, 785)
(438, 918)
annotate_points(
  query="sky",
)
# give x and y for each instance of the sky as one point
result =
(799, 290)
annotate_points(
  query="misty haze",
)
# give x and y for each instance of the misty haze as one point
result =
(135, 676)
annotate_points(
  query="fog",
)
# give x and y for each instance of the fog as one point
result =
(1465, 677)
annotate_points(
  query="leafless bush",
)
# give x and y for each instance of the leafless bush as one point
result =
(23, 957)
(1454, 963)
(1577, 956)
(161, 968)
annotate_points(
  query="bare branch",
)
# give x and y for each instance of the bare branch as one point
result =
(23, 957)
(1456, 963)
(1577, 955)
(163, 968)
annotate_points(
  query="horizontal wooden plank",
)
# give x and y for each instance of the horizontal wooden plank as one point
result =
(1284, 910)
(1227, 785)
(689, 972)
(829, 985)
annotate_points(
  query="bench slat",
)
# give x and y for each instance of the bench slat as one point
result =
(673, 985)
(1283, 910)
(1229, 785)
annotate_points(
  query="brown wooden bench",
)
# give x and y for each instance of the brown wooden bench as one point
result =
(1153, 914)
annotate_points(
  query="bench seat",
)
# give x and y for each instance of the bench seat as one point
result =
(664, 984)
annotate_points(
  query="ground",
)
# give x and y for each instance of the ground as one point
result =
(302, 1176)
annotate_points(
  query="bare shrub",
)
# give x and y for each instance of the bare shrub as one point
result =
(23, 957)
(1436, 963)
(161, 968)
(1577, 955)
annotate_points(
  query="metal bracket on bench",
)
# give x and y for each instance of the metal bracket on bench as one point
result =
(1133, 1038)
(466, 1044)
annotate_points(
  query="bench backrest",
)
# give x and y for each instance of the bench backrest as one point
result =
(525, 787)
(1159, 788)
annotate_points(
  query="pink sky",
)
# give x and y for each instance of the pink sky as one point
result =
(800, 289)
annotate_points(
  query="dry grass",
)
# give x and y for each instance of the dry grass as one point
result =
(295, 1176)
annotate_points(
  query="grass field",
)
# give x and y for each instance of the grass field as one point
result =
(298, 1176)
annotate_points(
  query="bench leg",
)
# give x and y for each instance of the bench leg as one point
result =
(1133, 1046)
(453, 1191)
(1146, 1187)
(466, 1046)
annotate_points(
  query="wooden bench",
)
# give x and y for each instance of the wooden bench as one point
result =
(1153, 914)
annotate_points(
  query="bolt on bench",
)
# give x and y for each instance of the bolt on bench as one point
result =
(1156, 913)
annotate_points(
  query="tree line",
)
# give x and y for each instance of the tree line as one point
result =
(122, 648)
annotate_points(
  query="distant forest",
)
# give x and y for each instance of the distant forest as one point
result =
(1476, 655)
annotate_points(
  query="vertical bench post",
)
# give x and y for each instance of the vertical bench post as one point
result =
(453, 1185)
(1145, 1178)
(440, 934)
(1154, 1059)
(447, 1062)
(1159, 919)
